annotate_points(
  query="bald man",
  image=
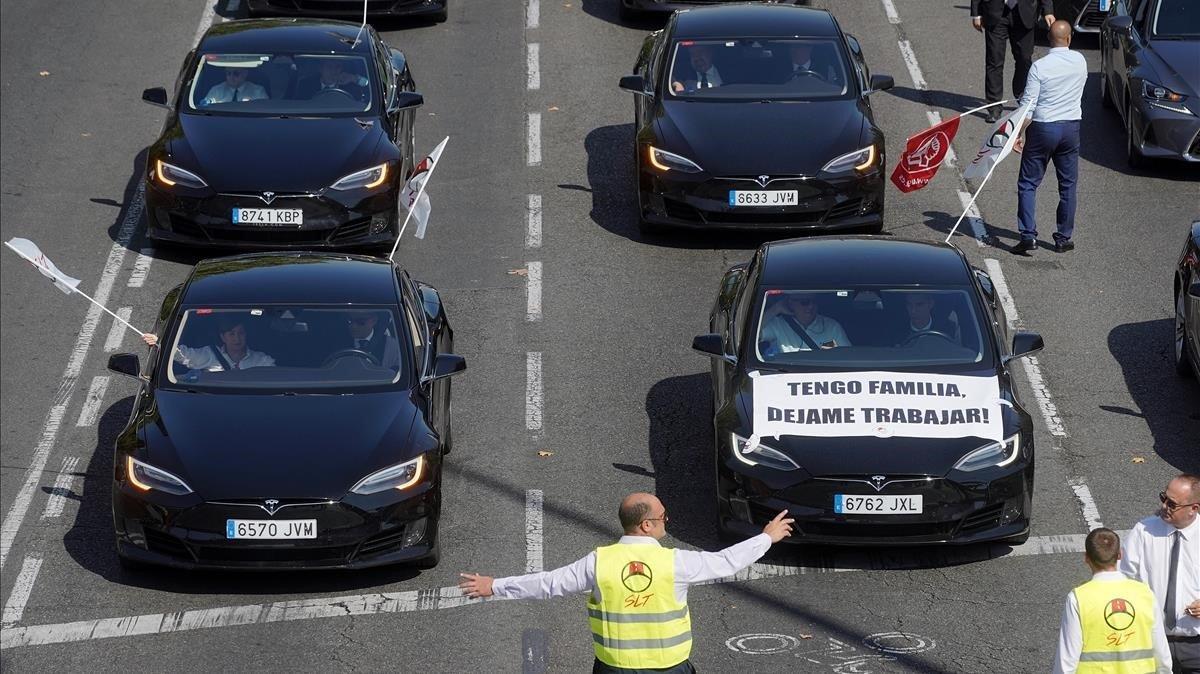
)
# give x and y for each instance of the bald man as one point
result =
(1054, 92)
(638, 603)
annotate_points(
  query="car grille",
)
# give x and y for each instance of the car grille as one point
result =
(351, 230)
(846, 210)
(1090, 17)
(982, 520)
(378, 544)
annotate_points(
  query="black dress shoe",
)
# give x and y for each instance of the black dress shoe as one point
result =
(1064, 245)
(1025, 246)
(993, 115)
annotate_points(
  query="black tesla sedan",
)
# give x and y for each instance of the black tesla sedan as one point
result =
(1187, 305)
(756, 115)
(351, 9)
(1150, 72)
(864, 384)
(636, 9)
(293, 413)
(283, 133)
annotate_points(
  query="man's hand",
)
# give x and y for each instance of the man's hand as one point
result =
(1193, 609)
(150, 339)
(977, 22)
(1049, 20)
(677, 87)
(475, 586)
(1019, 144)
(778, 529)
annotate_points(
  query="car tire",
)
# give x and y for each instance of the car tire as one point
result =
(1132, 154)
(1183, 360)
(1106, 100)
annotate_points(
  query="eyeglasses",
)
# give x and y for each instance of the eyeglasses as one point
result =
(664, 519)
(1170, 504)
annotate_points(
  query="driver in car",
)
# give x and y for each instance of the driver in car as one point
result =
(919, 307)
(333, 76)
(802, 63)
(379, 343)
(794, 315)
(231, 354)
(236, 88)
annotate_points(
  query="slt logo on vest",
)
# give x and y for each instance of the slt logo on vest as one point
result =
(637, 576)
(1119, 614)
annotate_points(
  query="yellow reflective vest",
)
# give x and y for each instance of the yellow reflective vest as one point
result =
(638, 623)
(1116, 617)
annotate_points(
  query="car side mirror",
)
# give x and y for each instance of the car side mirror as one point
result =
(985, 282)
(1194, 290)
(447, 364)
(1026, 343)
(126, 364)
(634, 83)
(882, 82)
(1121, 25)
(712, 345)
(405, 100)
(431, 302)
(156, 96)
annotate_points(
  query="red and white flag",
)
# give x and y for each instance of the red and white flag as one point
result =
(413, 198)
(998, 144)
(29, 250)
(923, 154)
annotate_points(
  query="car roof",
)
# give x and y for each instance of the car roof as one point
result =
(754, 20)
(286, 278)
(862, 260)
(283, 35)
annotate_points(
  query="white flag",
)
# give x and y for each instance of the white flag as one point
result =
(998, 144)
(413, 197)
(29, 250)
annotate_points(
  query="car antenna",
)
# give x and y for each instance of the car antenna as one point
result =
(361, 27)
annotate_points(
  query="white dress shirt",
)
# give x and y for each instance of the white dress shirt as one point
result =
(203, 358)
(691, 567)
(823, 330)
(223, 93)
(714, 78)
(1055, 85)
(1146, 556)
(1070, 634)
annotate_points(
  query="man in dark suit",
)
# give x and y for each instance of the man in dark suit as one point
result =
(332, 76)
(1010, 21)
(919, 309)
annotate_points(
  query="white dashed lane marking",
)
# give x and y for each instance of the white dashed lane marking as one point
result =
(141, 267)
(91, 404)
(533, 531)
(533, 222)
(533, 291)
(62, 486)
(534, 152)
(533, 390)
(116, 334)
(14, 608)
(533, 79)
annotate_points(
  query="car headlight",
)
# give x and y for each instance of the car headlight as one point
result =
(400, 476)
(171, 175)
(146, 477)
(669, 161)
(859, 160)
(367, 178)
(997, 454)
(1162, 97)
(761, 455)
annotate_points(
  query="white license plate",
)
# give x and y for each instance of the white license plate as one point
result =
(268, 216)
(855, 504)
(763, 197)
(270, 529)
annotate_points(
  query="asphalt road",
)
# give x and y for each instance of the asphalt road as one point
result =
(575, 395)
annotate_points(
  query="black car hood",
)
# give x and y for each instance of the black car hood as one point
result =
(285, 446)
(747, 139)
(1178, 64)
(253, 154)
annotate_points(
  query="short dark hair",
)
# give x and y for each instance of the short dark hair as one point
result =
(229, 320)
(1103, 547)
(633, 514)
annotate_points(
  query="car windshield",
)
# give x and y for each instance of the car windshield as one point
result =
(870, 327)
(759, 69)
(286, 348)
(1177, 18)
(280, 84)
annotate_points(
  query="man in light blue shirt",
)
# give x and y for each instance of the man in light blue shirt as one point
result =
(795, 313)
(1054, 91)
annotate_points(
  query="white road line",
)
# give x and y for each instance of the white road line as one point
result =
(533, 80)
(533, 291)
(974, 217)
(1091, 513)
(62, 487)
(427, 600)
(533, 531)
(890, 9)
(1033, 369)
(116, 334)
(141, 267)
(91, 404)
(14, 608)
(206, 20)
(532, 10)
(533, 222)
(533, 390)
(41, 454)
(914, 70)
(534, 153)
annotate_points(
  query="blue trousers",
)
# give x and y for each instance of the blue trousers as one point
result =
(1045, 141)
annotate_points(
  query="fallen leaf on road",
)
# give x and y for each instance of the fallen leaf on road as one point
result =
(553, 108)
(518, 272)
(1139, 459)
(805, 636)
(44, 73)
(544, 453)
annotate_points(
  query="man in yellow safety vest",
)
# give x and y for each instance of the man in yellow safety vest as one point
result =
(638, 605)
(1111, 624)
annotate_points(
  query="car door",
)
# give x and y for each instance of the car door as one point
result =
(425, 342)
(396, 76)
(1127, 56)
(648, 65)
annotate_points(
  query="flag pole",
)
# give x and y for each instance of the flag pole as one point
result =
(414, 203)
(74, 289)
(360, 28)
(1008, 145)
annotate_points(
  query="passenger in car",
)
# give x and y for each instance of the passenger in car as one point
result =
(787, 321)
(698, 72)
(231, 354)
(235, 88)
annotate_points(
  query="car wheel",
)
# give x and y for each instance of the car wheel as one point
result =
(1132, 154)
(1183, 359)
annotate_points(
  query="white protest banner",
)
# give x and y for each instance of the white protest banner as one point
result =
(877, 404)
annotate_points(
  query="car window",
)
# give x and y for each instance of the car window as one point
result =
(1176, 18)
(762, 69)
(871, 327)
(280, 84)
(286, 348)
